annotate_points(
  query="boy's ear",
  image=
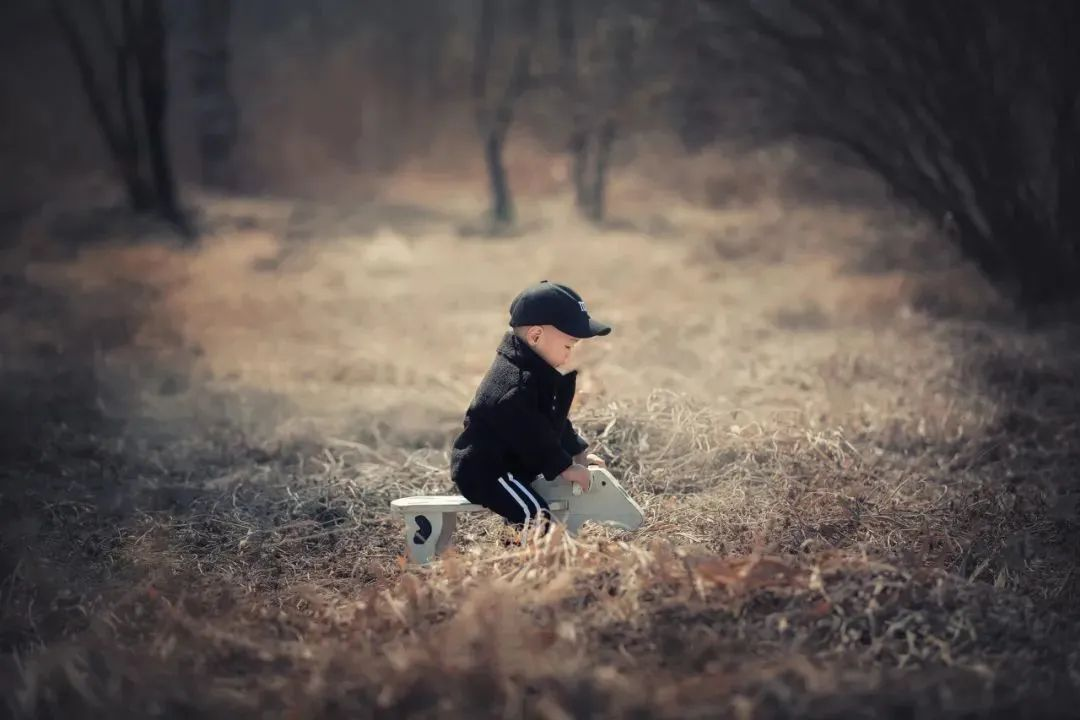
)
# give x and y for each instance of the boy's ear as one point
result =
(534, 333)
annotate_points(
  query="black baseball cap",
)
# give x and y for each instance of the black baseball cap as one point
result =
(548, 303)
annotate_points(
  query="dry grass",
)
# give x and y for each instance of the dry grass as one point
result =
(856, 507)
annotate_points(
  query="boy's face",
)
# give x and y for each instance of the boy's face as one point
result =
(551, 343)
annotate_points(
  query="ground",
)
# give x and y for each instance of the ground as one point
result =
(858, 465)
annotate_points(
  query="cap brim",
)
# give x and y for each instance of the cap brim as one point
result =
(598, 328)
(590, 329)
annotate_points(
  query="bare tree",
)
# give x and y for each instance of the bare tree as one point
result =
(216, 114)
(606, 73)
(967, 109)
(567, 28)
(131, 111)
(495, 95)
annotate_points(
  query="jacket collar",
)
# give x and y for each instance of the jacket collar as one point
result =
(520, 354)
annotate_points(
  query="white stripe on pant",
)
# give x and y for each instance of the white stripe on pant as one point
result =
(517, 498)
(528, 494)
(523, 497)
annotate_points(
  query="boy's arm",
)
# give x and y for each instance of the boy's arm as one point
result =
(571, 440)
(516, 420)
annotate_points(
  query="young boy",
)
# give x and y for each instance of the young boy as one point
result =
(516, 429)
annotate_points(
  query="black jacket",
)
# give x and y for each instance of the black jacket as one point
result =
(517, 421)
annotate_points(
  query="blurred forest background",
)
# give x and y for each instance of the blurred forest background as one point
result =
(967, 112)
(256, 254)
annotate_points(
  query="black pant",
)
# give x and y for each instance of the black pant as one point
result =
(514, 500)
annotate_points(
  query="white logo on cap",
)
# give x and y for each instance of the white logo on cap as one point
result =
(583, 307)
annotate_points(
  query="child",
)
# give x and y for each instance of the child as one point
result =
(516, 429)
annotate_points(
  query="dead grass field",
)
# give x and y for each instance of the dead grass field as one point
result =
(861, 484)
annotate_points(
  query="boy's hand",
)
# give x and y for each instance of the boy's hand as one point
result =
(587, 459)
(578, 475)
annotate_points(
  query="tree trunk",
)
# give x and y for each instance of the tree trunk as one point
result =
(579, 154)
(605, 137)
(140, 195)
(153, 88)
(578, 143)
(137, 123)
(495, 122)
(502, 205)
(216, 111)
(1067, 200)
(122, 143)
